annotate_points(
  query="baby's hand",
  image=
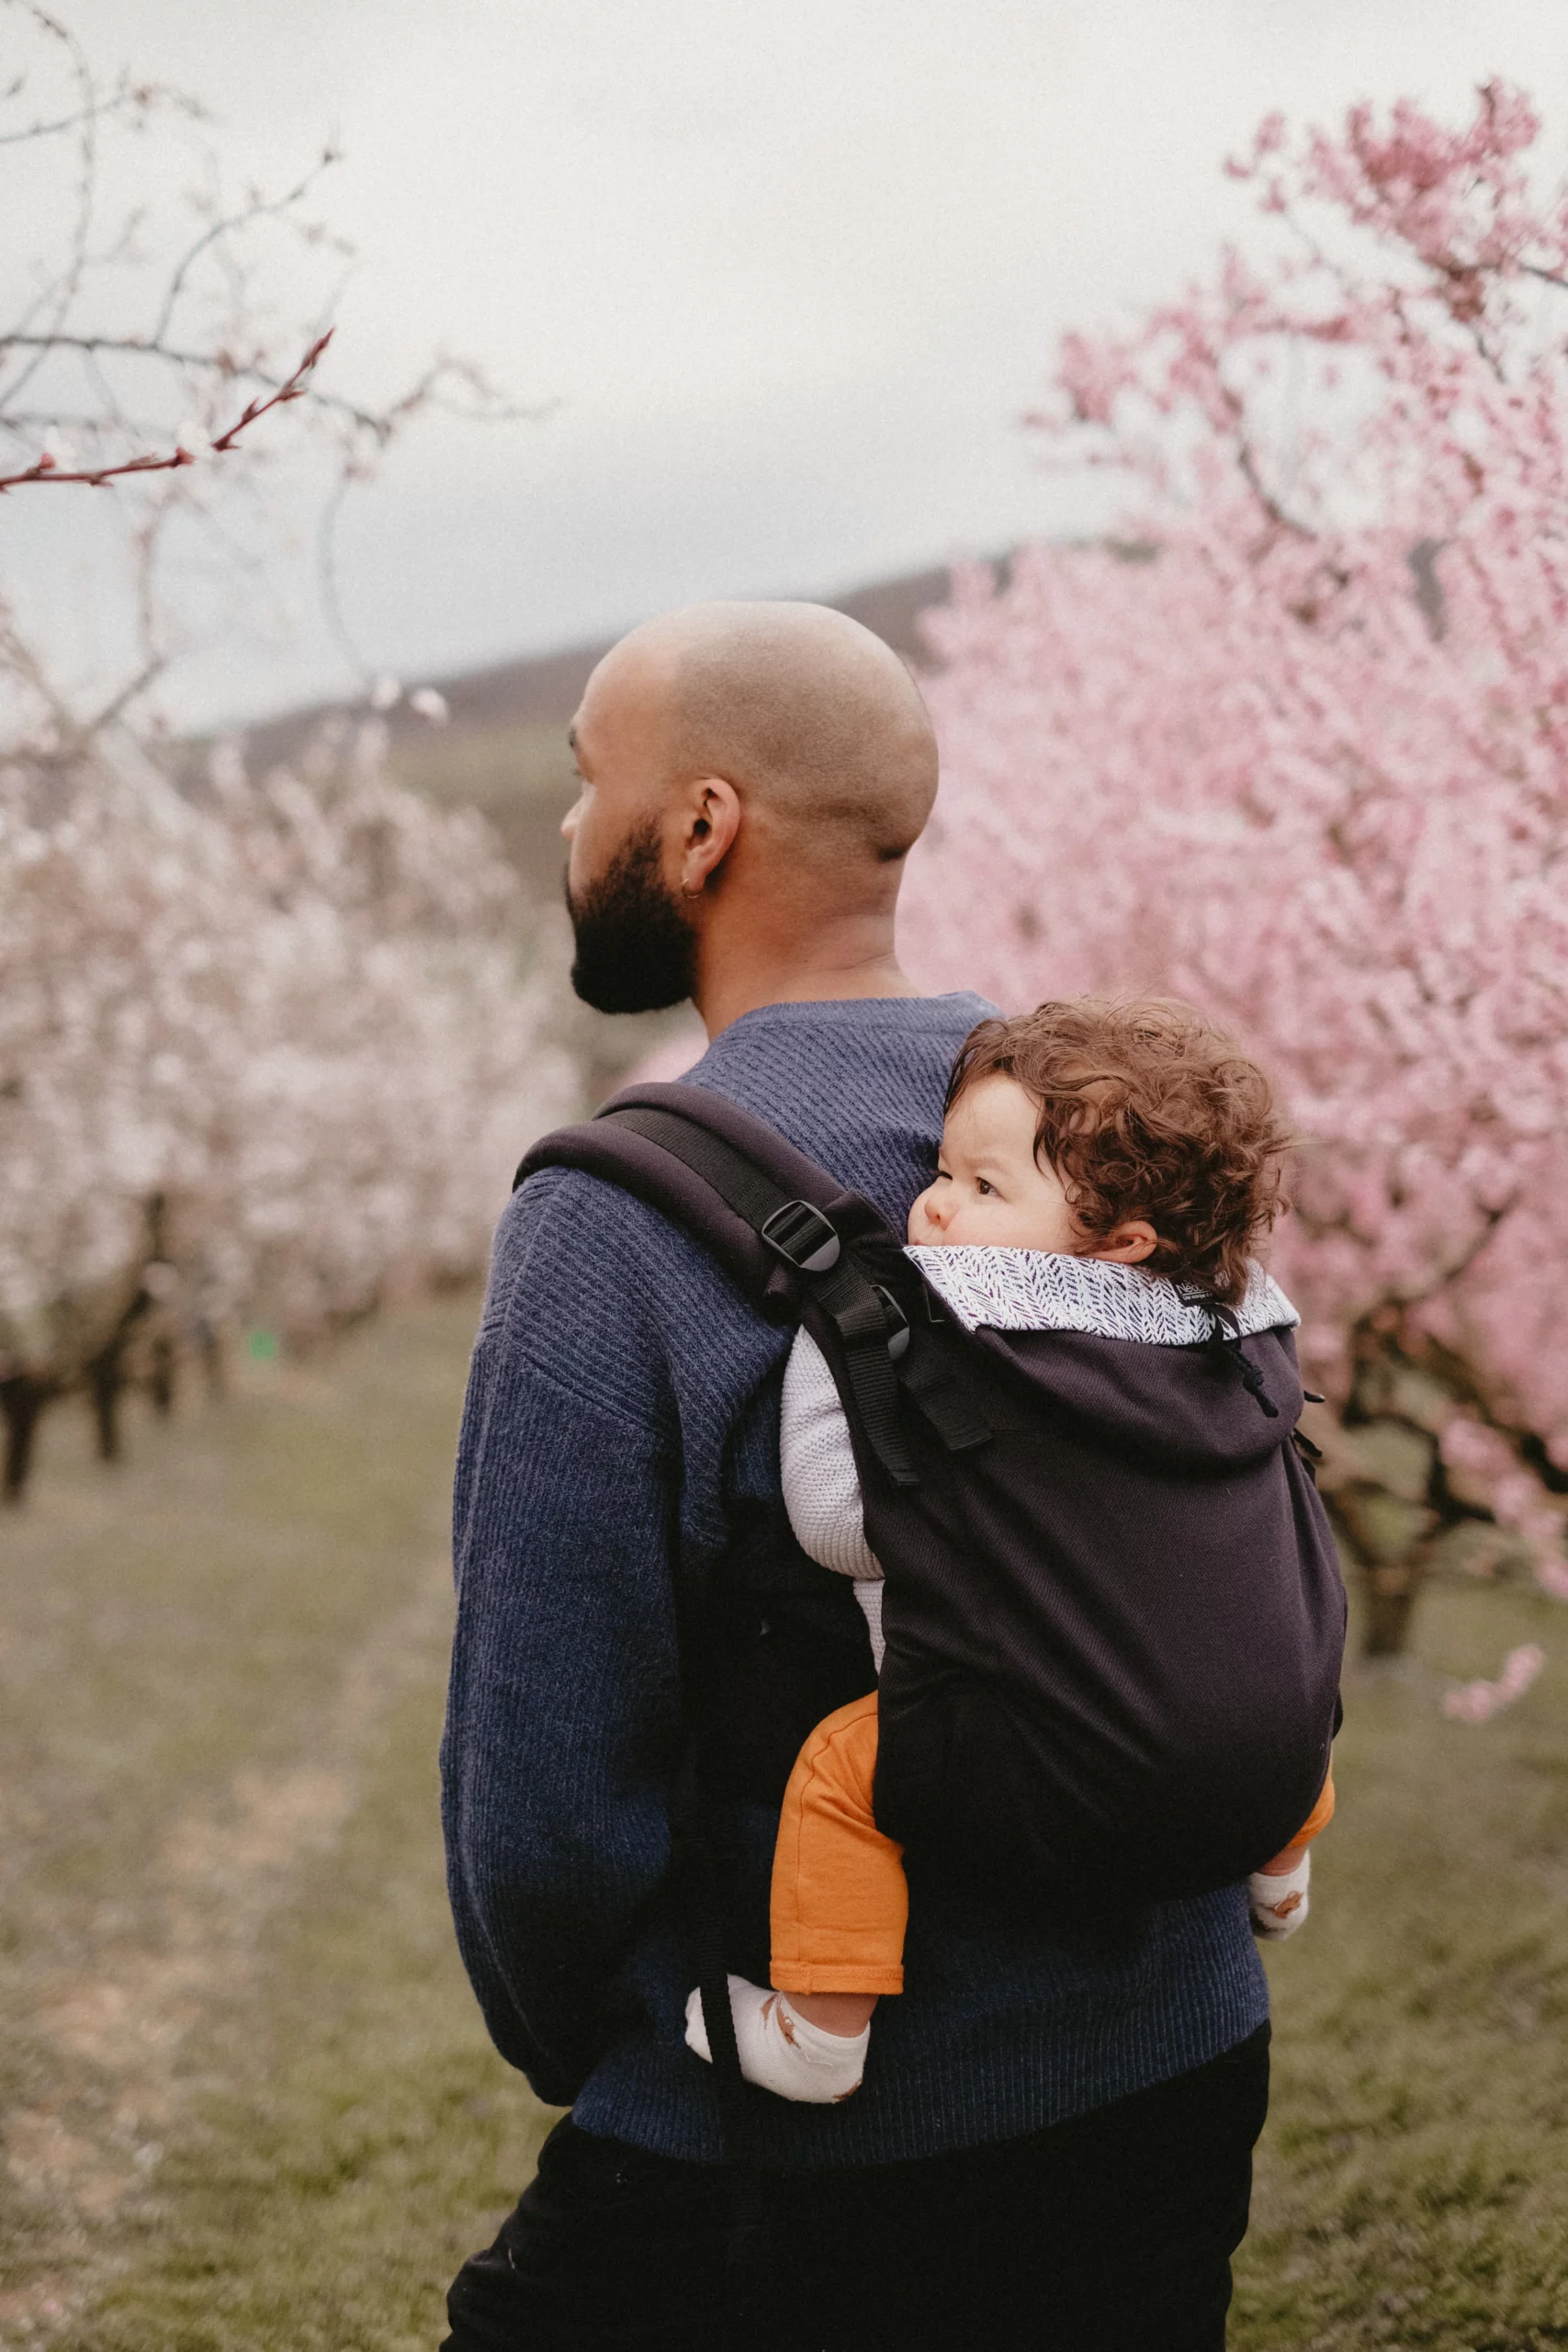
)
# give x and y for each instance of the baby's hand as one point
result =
(1278, 1900)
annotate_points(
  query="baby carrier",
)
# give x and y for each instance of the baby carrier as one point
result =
(1113, 1610)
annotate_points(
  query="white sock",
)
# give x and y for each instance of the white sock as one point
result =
(780, 2049)
(1280, 1905)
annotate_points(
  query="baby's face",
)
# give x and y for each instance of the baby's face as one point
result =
(990, 1190)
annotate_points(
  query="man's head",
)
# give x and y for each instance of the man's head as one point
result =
(753, 776)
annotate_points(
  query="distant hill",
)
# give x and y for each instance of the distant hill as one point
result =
(503, 749)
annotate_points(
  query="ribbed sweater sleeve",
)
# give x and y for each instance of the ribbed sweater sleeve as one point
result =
(563, 1699)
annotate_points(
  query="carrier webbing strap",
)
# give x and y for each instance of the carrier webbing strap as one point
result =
(843, 1294)
(943, 1402)
(859, 1316)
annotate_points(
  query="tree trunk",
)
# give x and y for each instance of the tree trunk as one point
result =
(214, 1362)
(105, 1384)
(1391, 1589)
(1398, 1508)
(21, 1403)
(161, 1375)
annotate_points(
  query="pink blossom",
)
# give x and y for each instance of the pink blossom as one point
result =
(1477, 1702)
(671, 1058)
(1302, 753)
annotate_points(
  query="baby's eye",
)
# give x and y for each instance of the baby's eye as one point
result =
(981, 1187)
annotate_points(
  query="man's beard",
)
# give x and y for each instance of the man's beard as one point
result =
(637, 950)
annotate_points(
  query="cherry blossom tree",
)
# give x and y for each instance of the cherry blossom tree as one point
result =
(1296, 746)
(265, 1049)
(269, 1044)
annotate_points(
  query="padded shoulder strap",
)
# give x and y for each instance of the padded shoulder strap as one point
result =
(780, 1226)
(766, 1212)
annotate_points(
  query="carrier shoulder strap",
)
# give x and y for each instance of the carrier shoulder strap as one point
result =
(782, 1227)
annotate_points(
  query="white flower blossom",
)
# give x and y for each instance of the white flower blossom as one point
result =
(264, 1049)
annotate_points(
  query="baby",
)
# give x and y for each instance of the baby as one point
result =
(1118, 1135)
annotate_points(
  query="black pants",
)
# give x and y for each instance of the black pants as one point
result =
(1110, 2231)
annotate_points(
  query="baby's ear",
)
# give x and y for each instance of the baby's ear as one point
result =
(1129, 1244)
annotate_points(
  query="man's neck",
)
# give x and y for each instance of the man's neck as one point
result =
(738, 985)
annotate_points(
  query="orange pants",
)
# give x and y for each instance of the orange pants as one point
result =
(1318, 1818)
(840, 1901)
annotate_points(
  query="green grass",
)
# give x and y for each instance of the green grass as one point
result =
(249, 2099)
(1413, 2184)
(364, 2138)
(250, 2105)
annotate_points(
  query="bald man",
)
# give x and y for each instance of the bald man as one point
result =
(752, 778)
(1052, 2145)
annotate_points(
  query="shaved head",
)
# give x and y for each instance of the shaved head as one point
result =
(752, 775)
(814, 720)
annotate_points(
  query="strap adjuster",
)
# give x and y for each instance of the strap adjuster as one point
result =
(802, 1236)
(898, 1323)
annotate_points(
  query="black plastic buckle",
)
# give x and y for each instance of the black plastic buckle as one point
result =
(803, 1238)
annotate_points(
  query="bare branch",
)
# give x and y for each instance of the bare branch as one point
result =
(132, 99)
(152, 669)
(222, 364)
(292, 388)
(327, 585)
(65, 289)
(100, 407)
(381, 424)
(258, 210)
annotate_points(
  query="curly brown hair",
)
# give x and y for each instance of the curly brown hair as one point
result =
(1146, 1110)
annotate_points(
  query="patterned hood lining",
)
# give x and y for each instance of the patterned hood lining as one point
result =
(1035, 1290)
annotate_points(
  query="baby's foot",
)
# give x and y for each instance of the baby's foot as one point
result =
(781, 2050)
(1280, 1901)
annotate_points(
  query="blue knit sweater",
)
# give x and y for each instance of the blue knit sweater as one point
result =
(621, 1389)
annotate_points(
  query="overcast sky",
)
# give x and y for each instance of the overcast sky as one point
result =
(790, 268)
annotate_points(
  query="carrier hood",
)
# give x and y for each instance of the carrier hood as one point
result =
(1132, 1354)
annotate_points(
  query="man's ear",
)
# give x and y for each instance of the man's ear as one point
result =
(711, 819)
(1129, 1244)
